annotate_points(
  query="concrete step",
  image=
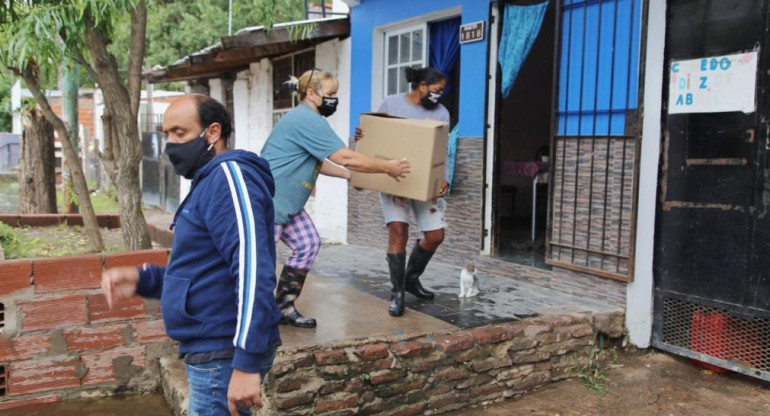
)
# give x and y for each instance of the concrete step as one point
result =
(174, 382)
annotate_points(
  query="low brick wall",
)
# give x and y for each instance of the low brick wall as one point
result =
(161, 235)
(46, 220)
(433, 374)
(60, 340)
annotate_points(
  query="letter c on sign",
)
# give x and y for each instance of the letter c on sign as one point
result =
(675, 67)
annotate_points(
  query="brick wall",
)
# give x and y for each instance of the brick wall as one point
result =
(464, 215)
(60, 339)
(85, 111)
(433, 374)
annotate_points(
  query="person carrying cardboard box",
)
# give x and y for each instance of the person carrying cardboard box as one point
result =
(422, 102)
(296, 149)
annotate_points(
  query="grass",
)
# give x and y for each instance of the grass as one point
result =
(10, 239)
(56, 241)
(593, 372)
(104, 203)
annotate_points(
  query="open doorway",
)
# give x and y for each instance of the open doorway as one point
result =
(523, 131)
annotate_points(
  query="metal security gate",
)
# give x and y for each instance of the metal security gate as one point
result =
(712, 235)
(594, 150)
(160, 184)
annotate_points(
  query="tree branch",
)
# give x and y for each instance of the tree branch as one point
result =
(79, 58)
(136, 54)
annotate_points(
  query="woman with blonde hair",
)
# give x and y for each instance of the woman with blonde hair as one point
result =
(301, 140)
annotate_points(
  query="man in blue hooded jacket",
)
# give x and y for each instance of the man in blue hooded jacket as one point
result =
(217, 290)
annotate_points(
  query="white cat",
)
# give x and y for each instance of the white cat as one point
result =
(469, 283)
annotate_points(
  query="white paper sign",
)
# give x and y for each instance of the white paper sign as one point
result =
(715, 84)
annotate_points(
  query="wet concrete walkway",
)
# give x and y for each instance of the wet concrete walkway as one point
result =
(501, 299)
(344, 313)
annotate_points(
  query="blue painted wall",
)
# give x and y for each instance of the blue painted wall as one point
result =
(599, 72)
(371, 14)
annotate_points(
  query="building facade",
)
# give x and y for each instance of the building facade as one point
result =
(615, 146)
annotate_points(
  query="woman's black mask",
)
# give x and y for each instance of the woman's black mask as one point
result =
(328, 106)
(430, 101)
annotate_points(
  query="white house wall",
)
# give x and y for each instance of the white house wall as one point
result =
(260, 104)
(216, 90)
(639, 294)
(241, 110)
(330, 204)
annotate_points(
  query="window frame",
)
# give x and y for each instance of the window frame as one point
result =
(277, 113)
(386, 66)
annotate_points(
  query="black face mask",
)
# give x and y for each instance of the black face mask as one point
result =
(430, 101)
(189, 157)
(328, 106)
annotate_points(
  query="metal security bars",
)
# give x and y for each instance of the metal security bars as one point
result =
(595, 150)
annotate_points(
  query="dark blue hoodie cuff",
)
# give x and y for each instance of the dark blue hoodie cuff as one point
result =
(248, 362)
(147, 284)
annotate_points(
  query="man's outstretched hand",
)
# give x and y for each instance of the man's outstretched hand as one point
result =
(119, 283)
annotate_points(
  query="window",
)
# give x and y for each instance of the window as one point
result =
(405, 47)
(283, 68)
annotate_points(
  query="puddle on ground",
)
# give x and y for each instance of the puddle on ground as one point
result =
(149, 405)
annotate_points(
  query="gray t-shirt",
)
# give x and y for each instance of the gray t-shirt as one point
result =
(397, 105)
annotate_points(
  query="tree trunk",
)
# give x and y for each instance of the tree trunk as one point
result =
(122, 103)
(29, 75)
(37, 175)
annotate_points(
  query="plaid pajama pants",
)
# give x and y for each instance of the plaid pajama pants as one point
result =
(301, 236)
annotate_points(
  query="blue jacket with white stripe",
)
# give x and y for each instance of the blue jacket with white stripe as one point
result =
(217, 290)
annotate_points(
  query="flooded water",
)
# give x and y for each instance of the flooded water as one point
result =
(149, 405)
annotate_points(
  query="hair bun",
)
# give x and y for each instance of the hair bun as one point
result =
(411, 73)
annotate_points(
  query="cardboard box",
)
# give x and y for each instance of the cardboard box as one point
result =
(422, 142)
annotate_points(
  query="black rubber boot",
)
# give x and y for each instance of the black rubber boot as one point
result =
(289, 288)
(417, 262)
(397, 265)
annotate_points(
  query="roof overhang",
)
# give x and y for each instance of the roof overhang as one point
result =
(248, 45)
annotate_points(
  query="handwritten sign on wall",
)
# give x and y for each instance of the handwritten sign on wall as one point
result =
(715, 84)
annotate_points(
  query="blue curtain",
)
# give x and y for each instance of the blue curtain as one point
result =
(443, 55)
(521, 25)
(451, 152)
(445, 47)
